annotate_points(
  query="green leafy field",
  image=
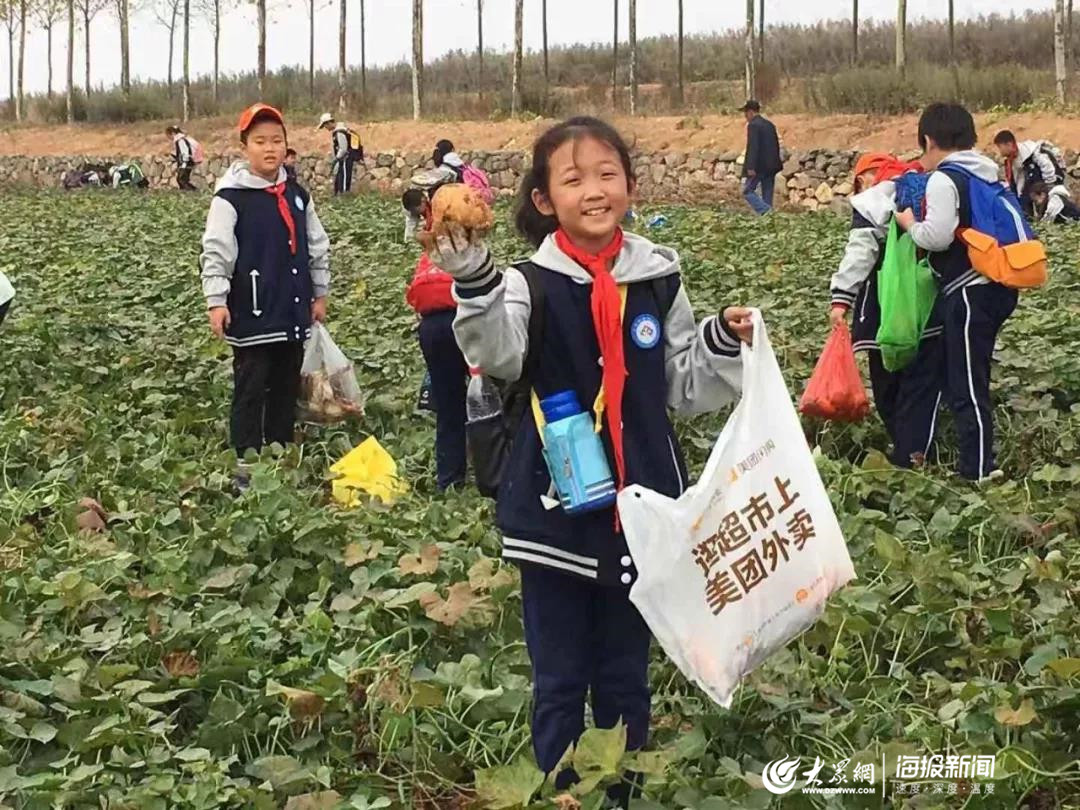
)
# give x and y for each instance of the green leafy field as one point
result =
(207, 651)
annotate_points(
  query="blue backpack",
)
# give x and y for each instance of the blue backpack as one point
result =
(1000, 242)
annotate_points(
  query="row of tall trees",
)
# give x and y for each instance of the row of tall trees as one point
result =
(17, 15)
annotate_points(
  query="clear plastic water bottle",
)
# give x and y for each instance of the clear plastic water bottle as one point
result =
(486, 432)
(482, 400)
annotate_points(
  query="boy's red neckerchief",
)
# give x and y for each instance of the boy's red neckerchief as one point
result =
(286, 214)
(607, 320)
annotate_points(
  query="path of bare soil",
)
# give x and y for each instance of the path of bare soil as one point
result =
(710, 132)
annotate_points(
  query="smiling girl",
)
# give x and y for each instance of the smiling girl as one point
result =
(617, 322)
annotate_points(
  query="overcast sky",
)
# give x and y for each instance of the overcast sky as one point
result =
(449, 24)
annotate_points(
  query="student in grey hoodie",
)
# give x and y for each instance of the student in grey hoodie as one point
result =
(582, 631)
(974, 307)
(7, 295)
(907, 400)
(266, 276)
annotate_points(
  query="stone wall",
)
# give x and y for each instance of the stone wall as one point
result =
(813, 180)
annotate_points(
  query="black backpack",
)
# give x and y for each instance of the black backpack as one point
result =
(490, 443)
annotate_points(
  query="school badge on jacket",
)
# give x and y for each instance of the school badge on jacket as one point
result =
(645, 331)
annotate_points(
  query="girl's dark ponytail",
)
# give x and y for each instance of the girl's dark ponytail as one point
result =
(528, 220)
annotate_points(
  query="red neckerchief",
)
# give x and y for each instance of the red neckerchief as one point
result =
(1009, 171)
(286, 214)
(607, 320)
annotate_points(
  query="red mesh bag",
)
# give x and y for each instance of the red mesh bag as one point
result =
(835, 390)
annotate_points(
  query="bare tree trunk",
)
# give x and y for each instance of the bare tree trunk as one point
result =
(172, 47)
(901, 36)
(20, 99)
(342, 65)
(547, 73)
(480, 48)
(186, 102)
(519, 24)
(11, 53)
(1060, 69)
(1068, 34)
(751, 77)
(633, 58)
(125, 47)
(86, 43)
(418, 58)
(261, 55)
(70, 100)
(48, 51)
(311, 50)
(682, 88)
(854, 32)
(615, 60)
(761, 33)
(363, 55)
(217, 48)
(952, 32)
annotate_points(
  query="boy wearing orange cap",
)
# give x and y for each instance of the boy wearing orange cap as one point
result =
(266, 276)
(907, 400)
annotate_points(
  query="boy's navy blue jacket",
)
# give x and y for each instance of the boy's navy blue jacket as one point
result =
(247, 264)
(677, 365)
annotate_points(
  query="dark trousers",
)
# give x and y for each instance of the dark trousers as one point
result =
(908, 401)
(973, 318)
(449, 378)
(4, 307)
(761, 203)
(583, 638)
(266, 382)
(343, 172)
(183, 178)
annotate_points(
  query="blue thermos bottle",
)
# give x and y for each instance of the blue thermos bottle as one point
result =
(575, 455)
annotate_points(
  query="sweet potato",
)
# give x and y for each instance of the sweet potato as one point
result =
(458, 212)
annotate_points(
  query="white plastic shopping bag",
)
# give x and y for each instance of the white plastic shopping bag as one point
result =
(329, 391)
(744, 560)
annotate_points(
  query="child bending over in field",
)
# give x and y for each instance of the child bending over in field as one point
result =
(266, 276)
(617, 321)
(907, 400)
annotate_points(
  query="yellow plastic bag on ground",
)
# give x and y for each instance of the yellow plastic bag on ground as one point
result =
(369, 469)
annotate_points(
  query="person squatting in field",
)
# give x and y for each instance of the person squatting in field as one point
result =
(1028, 163)
(266, 276)
(583, 634)
(907, 400)
(974, 308)
(431, 296)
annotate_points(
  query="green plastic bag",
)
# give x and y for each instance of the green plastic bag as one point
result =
(906, 294)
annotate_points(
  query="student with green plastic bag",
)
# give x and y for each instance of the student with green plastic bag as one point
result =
(907, 398)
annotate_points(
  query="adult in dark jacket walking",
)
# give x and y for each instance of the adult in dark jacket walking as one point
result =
(762, 162)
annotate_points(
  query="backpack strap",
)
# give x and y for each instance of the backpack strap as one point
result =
(664, 290)
(517, 396)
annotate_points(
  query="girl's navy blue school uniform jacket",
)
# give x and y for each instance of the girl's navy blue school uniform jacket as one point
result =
(248, 266)
(677, 365)
(855, 282)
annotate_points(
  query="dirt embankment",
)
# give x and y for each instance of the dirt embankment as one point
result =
(709, 132)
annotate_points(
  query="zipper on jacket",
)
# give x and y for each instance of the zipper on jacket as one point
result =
(675, 462)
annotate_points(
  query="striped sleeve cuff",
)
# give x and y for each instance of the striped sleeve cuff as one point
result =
(720, 339)
(479, 283)
(843, 298)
